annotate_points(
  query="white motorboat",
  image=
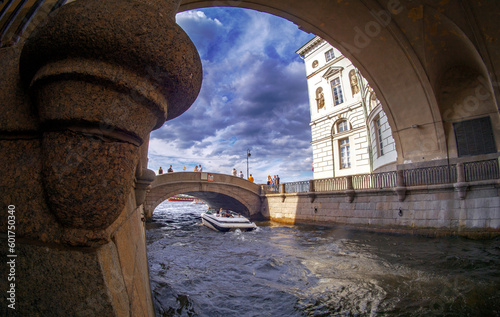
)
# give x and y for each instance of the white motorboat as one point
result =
(226, 220)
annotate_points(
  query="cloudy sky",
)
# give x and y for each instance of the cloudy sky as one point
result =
(253, 96)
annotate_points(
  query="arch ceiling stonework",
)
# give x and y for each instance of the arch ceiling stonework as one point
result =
(404, 48)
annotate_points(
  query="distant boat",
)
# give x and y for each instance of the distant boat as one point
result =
(198, 201)
(182, 197)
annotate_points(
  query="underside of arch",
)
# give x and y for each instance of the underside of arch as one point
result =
(391, 42)
(247, 205)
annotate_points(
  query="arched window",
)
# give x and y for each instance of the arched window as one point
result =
(342, 126)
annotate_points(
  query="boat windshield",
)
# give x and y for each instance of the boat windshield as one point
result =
(223, 213)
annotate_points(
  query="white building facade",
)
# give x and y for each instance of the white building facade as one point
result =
(350, 132)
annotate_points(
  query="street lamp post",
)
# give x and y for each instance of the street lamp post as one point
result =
(248, 155)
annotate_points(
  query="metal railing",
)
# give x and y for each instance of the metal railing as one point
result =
(482, 170)
(445, 174)
(431, 175)
(269, 189)
(374, 181)
(297, 187)
(330, 184)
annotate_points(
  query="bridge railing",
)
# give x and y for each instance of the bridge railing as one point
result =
(435, 175)
(297, 187)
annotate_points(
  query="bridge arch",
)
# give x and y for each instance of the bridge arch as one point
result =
(217, 190)
(405, 50)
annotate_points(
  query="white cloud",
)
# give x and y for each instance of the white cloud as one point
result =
(195, 15)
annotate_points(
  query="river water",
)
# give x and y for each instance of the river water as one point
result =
(285, 270)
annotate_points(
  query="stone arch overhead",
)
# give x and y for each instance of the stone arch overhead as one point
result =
(377, 36)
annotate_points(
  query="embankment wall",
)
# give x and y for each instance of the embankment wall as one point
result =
(429, 210)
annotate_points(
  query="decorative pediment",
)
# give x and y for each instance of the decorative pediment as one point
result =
(332, 71)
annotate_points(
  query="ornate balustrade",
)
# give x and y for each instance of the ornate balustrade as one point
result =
(482, 170)
(431, 175)
(297, 187)
(375, 180)
(330, 184)
(447, 174)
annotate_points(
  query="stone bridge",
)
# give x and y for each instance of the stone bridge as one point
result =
(217, 190)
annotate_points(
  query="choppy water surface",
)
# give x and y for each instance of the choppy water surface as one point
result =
(281, 270)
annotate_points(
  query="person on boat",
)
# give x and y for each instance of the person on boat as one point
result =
(219, 212)
(250, 178)
(160, 171)
(170, 170)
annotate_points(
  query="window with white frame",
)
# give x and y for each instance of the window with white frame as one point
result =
(342, 126)
(345, 153)
(338, 97)
(378, 136)
(329, 55)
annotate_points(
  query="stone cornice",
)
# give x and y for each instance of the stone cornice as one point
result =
(309, 46)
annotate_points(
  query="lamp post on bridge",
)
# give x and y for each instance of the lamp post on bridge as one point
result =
(248, 155)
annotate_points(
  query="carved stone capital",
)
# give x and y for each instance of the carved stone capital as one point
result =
(103, 74)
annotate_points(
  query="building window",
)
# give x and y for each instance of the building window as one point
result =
(338, 97)
(342, 126)
(378, 136)
(474, 137)
(329, 55)
(345, 152)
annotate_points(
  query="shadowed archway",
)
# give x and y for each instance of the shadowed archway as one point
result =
(407, 51)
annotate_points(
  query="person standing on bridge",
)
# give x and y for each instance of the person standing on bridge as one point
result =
(200, 169)
(241, 174)
(234, 172)
(160, 171)
(250, 178)
(196, 168)
(170, 170)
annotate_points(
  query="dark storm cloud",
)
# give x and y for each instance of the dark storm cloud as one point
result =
(253, 96)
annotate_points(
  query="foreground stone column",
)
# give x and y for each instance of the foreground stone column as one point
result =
(102, 75)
